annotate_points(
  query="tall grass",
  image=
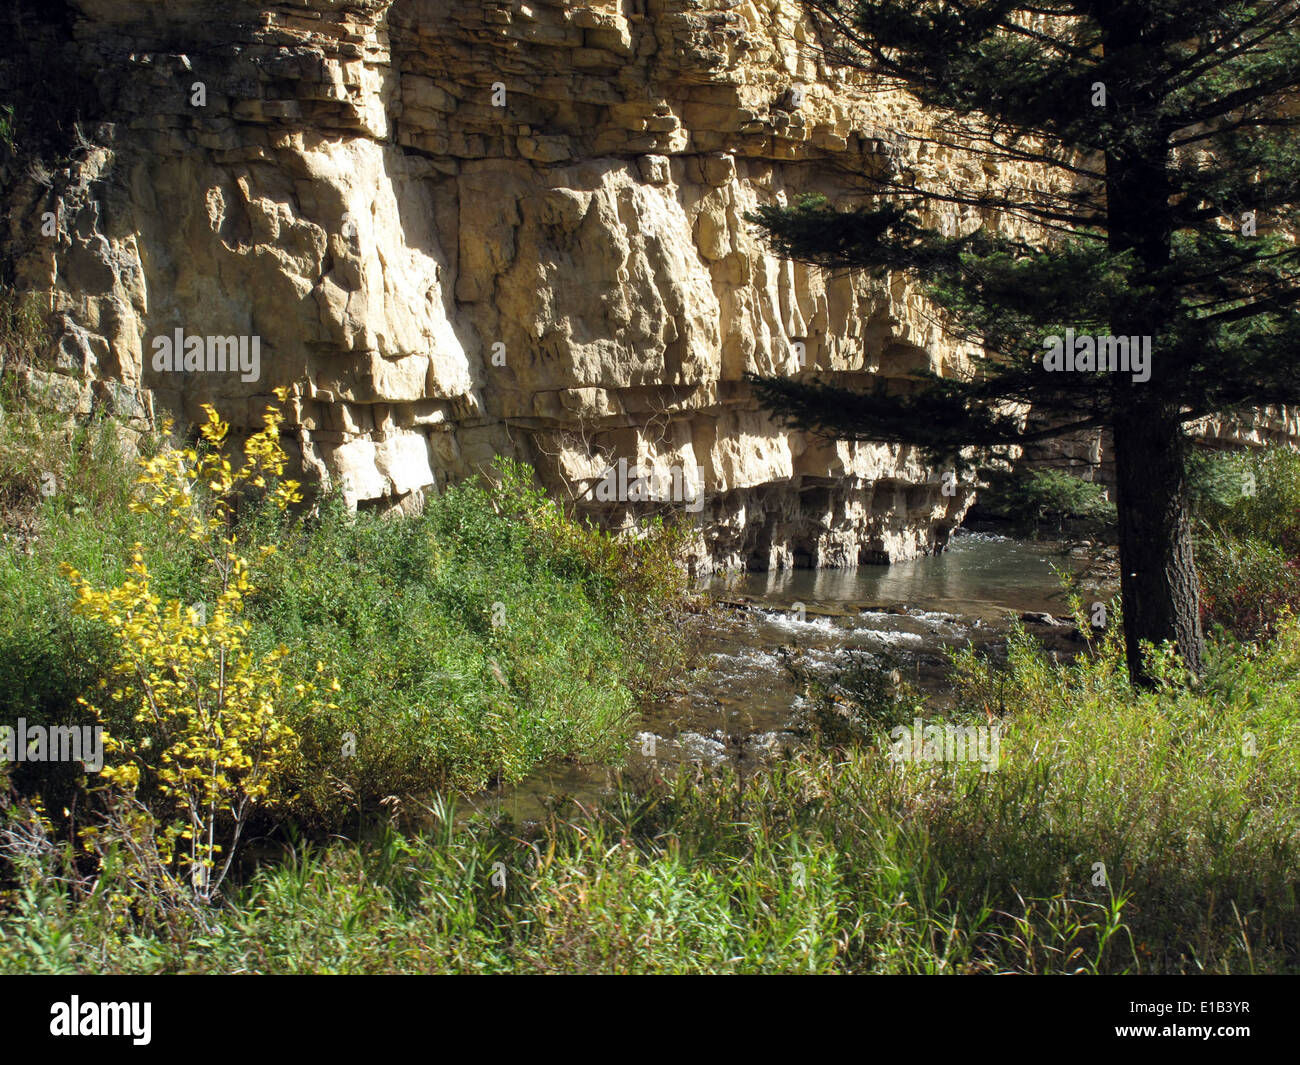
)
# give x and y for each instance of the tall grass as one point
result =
(839, 861)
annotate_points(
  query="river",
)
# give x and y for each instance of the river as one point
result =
(739, 703)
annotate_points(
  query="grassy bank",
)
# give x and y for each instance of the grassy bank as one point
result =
(476, 641)
(836, 861)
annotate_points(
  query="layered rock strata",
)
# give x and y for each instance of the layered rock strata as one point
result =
(462, 228)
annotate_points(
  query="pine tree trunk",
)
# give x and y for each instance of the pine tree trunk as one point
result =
(1158, 583)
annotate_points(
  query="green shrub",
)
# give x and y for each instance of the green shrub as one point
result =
(7, 128)
(1031, 499)
(1247, 508)
(865, 696)
(435, 694)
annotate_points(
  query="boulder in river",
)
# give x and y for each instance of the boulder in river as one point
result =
(1040, 617)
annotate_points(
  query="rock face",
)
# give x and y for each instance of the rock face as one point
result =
(1089, 455)
(462, 228)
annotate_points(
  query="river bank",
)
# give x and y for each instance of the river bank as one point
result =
(740, 706)
(1123, 831)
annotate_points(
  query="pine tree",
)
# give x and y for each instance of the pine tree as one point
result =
(1166, 131)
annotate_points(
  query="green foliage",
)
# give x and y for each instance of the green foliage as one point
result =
(437, 694)
(866, 696)
(1248, 537)
(826, 863)
(1032, 499)
(1251, 494)
(21, 327)
(7, 127)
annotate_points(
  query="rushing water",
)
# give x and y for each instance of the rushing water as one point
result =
(740, 704)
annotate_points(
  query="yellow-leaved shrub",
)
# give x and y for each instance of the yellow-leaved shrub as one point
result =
(210, 737)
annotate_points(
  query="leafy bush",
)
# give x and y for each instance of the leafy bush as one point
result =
(863, 697)
(1247, 509)
(486, 637)
(192, 718)
(1034, 498)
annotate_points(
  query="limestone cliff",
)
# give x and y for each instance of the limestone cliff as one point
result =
(458, 228)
